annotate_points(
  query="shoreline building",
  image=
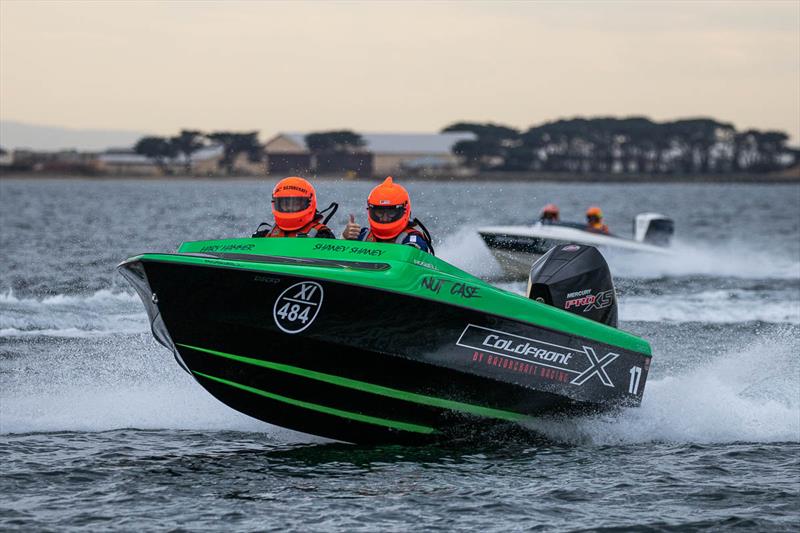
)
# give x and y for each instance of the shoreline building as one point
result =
(126, 162)
(6, 158)
(382, 154)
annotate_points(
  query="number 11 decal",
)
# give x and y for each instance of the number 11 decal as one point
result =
(636, 376)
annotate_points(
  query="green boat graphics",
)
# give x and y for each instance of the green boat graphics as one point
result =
(370, 342)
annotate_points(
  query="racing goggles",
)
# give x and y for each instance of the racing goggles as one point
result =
(291, 204)
(385, 214)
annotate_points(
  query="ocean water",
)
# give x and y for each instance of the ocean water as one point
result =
(101, 430)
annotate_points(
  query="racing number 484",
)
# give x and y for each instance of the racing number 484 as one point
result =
(291, 312)
(636, 376)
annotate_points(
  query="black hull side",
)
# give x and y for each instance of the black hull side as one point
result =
(406, 371)
(518, 243)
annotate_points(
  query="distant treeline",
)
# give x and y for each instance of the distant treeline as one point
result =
(625, 146)
(634, 145)
(164, 150)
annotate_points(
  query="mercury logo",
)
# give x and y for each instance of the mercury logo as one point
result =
(297, 307)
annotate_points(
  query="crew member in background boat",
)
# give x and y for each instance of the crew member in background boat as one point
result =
(549, 214)
(294, 206)
(389, 213)
(594, 220)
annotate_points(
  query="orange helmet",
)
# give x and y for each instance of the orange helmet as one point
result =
(550, 211)
(294, 203)
(389, 208)
(594, 212)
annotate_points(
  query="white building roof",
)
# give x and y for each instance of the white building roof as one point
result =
(124, 158)
(129, 157)
(403, 143)
(203, 154)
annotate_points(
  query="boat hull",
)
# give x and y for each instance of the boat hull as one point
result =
(516, 248)
(516, 254)
(362, 365)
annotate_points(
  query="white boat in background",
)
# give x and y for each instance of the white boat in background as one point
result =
(517, 247)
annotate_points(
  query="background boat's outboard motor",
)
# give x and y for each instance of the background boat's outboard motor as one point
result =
(653, 228)
(576, 278)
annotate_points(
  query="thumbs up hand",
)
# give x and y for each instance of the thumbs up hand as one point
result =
(352, 229)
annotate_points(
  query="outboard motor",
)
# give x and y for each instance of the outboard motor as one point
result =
(653, 228)
(576, 278)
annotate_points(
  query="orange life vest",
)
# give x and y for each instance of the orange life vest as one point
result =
(600, 228)
(313, 229)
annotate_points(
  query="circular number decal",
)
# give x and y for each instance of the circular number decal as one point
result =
(298, 306)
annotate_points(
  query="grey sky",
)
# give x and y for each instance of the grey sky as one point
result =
(384, 66)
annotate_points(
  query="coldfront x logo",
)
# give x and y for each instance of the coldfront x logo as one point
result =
(539, 352)
(596, 366)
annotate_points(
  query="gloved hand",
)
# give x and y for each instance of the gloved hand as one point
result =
(352, 229)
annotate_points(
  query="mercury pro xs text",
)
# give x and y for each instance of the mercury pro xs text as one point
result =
(376, 343)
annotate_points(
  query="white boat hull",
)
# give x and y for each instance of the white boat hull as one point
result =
(517, 247)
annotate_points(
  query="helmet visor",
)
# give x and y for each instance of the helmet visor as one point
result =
(291, 204)
(384, 214)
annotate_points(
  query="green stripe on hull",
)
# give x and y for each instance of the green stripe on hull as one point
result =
(372, 388)
(393, 424)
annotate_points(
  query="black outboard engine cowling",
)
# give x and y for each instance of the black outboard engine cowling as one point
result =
(576, 278)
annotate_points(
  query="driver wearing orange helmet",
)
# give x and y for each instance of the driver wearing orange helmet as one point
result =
(294, 206)
(594, 220)
(389, 210)
(549, 214)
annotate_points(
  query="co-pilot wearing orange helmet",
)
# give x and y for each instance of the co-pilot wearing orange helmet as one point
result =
(594, 220)
(389, 213)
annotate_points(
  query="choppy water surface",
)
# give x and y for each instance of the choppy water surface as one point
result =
(100, 429)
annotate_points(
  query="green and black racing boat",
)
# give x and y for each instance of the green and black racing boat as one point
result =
(375, 343)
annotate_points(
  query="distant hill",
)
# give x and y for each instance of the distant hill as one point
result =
(19, 135)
